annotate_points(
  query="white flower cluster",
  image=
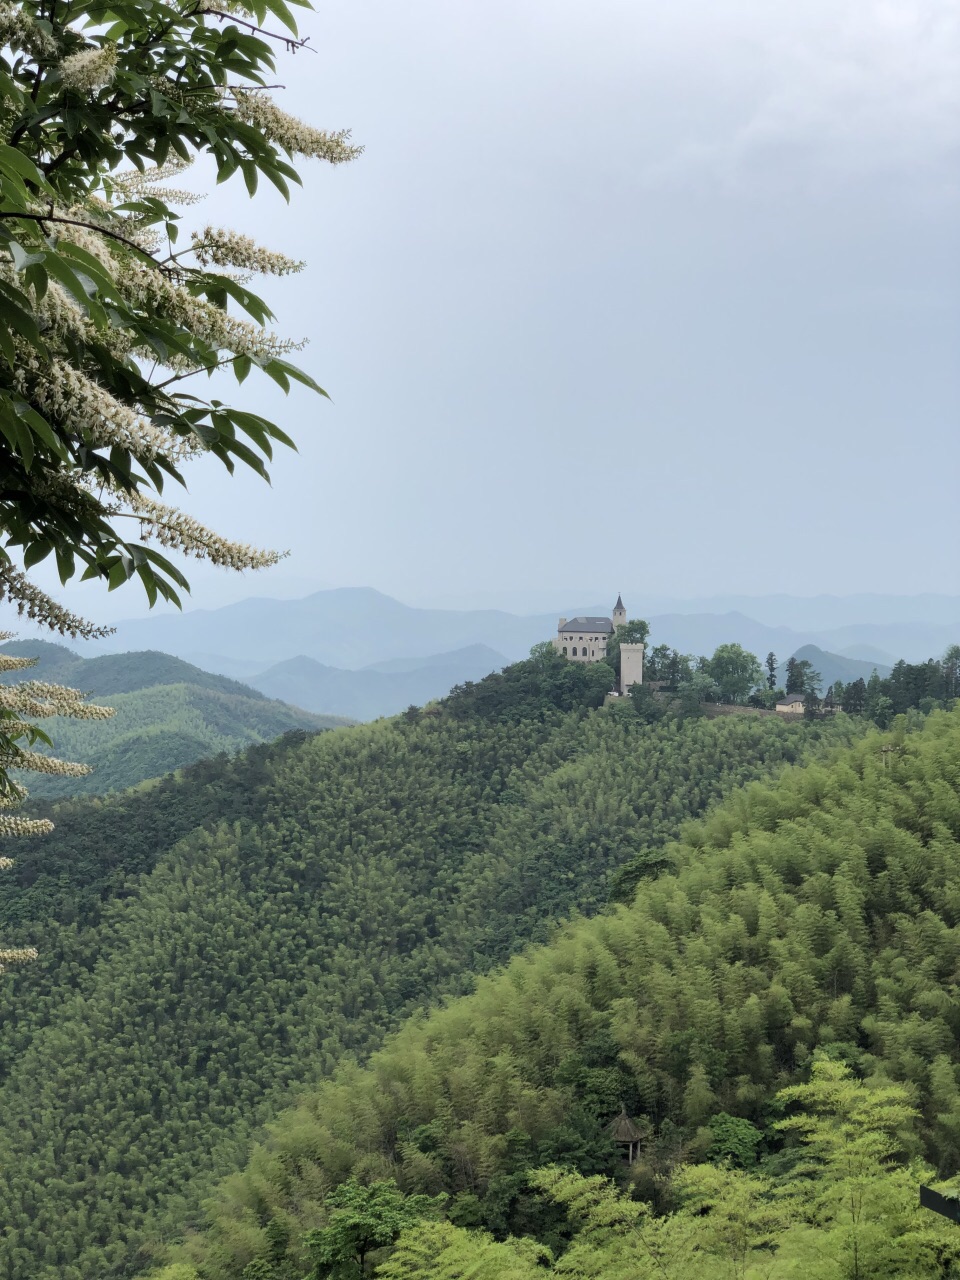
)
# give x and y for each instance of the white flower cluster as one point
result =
(129, 184)
(37, 762)
(230, 249)
(70, 396)
(180, 532)
(155, 292)
(90, 69)
(29, 600)
(225, 6)
(16, 955)
(295, 137)
(12, 824)
(136, 182)
(39, 700)
(59, 314)
(15, 826)
(10, 663)
(97, 216)
(19, 31)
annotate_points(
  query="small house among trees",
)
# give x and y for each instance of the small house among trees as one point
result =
(791, 704)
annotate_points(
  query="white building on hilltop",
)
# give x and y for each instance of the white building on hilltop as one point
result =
(585, 639)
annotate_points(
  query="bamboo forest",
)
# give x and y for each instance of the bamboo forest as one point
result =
(479, 640)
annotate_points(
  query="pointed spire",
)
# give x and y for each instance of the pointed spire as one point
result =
(619, 607)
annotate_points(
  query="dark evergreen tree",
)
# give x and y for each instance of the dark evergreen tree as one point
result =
(794, 677)
(771, 665)
(854, 698)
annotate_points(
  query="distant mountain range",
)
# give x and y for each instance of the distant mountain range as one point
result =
(168, 714)
(381, 689)
(358, 653)
(800, 613)
(356, 628)
(347, 628)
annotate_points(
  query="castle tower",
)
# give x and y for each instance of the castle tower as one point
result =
(619, 613)
(631, 666)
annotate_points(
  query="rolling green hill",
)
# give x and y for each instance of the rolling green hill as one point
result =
(115, 673)
(168, 714)
(211, 945)
(818, 913)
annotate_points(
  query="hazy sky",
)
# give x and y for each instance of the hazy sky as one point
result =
(651, 291)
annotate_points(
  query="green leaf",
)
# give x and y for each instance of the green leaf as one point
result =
(250, 175)
(19, 436)
(41, 429)
(21, 321)
(283, 14)
(38, 551)
(281, 185)
(22, 258)
(291, 371)
(66, 563)
(36, 277)
(23, 166)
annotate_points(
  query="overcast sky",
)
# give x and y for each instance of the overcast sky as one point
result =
(659, 292)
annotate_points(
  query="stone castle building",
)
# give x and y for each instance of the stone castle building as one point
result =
(585, 640)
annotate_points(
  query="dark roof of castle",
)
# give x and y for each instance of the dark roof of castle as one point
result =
(587, 624)
(619, 604)
(789, 699)
(622, 1129)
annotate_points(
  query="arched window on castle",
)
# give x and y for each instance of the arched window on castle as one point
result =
(574, 651)
(564, 650)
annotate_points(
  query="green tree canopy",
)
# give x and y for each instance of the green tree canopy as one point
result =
(362, 1220)
(635, 631)
(735, 671)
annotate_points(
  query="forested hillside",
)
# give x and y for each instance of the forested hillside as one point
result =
(155, 731)
(115, 673)
(247, 926)
(168, 714)
(839, 1201)
(815, 913)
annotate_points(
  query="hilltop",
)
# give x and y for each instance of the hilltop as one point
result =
(168, 714)
(835, 666)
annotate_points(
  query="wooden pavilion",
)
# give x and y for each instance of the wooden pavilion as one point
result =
(626, 1135)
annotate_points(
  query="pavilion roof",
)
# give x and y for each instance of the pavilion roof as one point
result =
(622, 1129)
